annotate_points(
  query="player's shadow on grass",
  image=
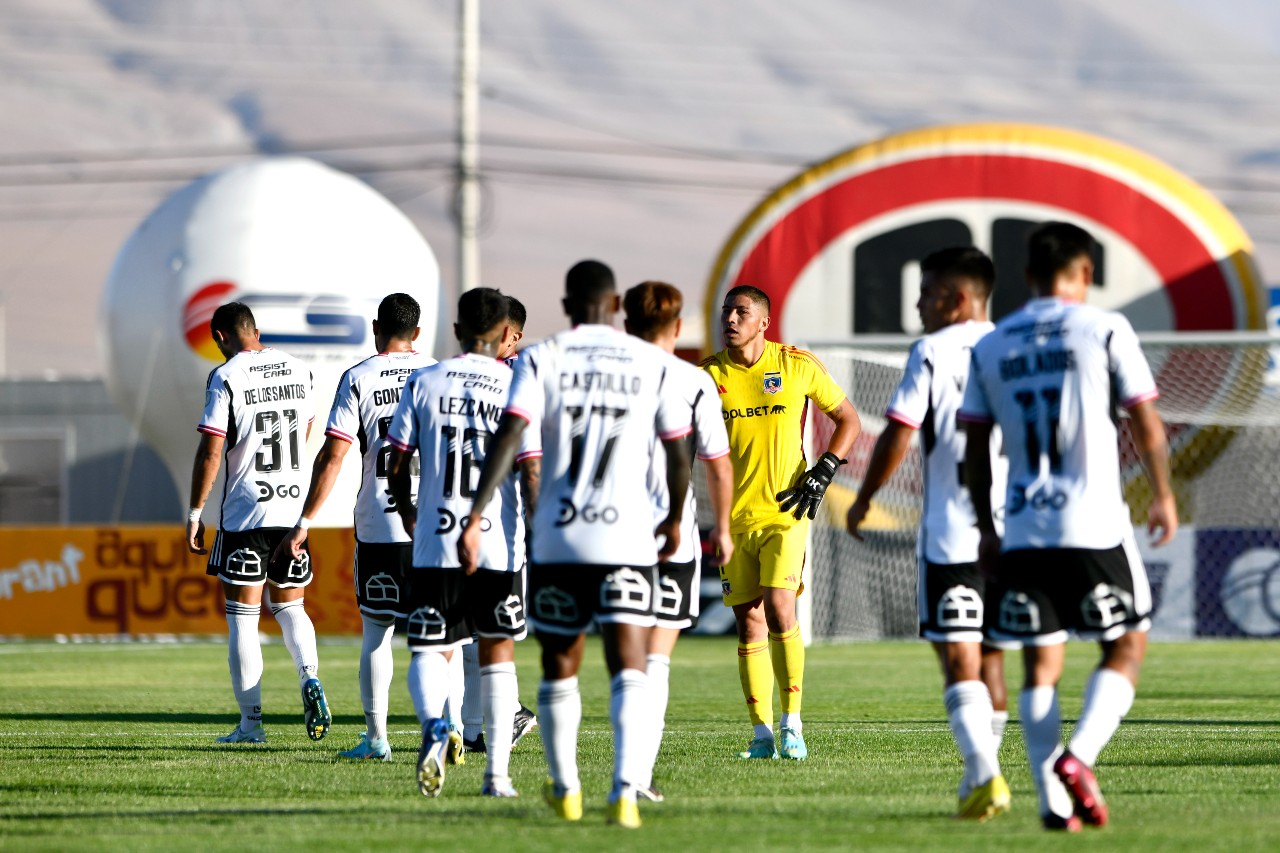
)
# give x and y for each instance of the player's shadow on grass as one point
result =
(183, 718)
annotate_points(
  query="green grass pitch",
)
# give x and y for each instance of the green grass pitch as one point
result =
(110, 747)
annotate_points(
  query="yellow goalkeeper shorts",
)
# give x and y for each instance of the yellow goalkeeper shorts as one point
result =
(768, 557)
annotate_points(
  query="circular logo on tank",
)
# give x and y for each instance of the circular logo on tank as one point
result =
(197, 311)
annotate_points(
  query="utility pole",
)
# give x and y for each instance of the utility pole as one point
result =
(467, 172)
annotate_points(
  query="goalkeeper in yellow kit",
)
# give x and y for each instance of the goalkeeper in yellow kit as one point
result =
(764, 389)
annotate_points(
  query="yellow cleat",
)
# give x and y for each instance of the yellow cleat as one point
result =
(567, 805)
(623, 812)
(986, 801)
(456, 753)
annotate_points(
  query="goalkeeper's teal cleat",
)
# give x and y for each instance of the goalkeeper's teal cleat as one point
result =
(761, 747)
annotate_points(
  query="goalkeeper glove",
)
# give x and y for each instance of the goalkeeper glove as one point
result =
(806, 494)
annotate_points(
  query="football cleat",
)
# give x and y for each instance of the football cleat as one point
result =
(651, 793)
(431, 757)
(623, 812)
(238, 735)
(368, 750)
(496, 788)
(760, 747)
(566, 804)
(525, 722)
(1082, 785)
(986, 801)
(476, 745)
(315, 709)
(793, 745)
(457, 752)
(1058, 823)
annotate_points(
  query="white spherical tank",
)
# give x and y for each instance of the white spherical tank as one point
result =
(311, 250)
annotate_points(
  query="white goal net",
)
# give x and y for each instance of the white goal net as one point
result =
(1221, 577)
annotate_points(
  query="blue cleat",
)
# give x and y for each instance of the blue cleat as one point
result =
(315, 709)
(793, 745)
(761, 747)
(431, 757)
(368, 750)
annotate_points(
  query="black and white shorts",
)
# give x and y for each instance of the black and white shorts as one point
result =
(951, 598)
(1042, 594)
(677, 603)
(244, 558)
(445, 607)
(380, 574)
(565, 597)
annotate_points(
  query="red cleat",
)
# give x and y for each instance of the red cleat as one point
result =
(1061, 824)
(1083, 787)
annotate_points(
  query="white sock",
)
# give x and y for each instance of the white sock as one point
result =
(457, 691)
(969, 713)
(376, 669)
(559, 717)
(763, 730)
(658, 668)
(299, 637)
(244, 658)
(791, 720)
(500, 702)
(1107, 698)
(632, 733)
(473, 714)
(1042, 730)
(999, 719)
(428, 684)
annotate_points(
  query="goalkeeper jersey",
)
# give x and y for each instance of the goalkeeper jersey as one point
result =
(763, 407)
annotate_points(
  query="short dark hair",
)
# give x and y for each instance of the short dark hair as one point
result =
(398, 315)
(650, 306)
(232, 318)
(755, 294)
(589, 281)
(964, 262)
(480, 309)
(515, 312)
(1052, 248)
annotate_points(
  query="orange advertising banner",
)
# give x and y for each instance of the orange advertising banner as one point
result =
(142, 580)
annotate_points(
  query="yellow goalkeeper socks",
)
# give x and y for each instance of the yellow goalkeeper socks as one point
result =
(787, 652)
(757, 686)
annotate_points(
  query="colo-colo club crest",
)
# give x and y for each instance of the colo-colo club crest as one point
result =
(772, 382)
(837, 247)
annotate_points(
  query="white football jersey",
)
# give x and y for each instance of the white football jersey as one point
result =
(927, 399)
(597, 396)
(1051, 375)
(260, 402)
(449, 413)
(366, 399)
(697, 393)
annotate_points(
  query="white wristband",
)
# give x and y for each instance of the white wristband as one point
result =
(304, 523)
(193, 513)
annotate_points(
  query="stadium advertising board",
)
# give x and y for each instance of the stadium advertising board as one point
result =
(77, 581)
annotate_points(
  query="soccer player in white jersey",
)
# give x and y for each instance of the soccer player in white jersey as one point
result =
(1051, 376)
(258, 407)
(362, 408)
(652, 311)
(955, 287)
(448, 413)
(597, 397)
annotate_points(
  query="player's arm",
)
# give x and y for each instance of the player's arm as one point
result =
(977, 473)
(1153, 448)
(720, 485)
(498, 463)
(530, 483)
(806, 495)
(324, 473)
(891, 448)
(677, 484)
(400, 484)
(203, 473)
